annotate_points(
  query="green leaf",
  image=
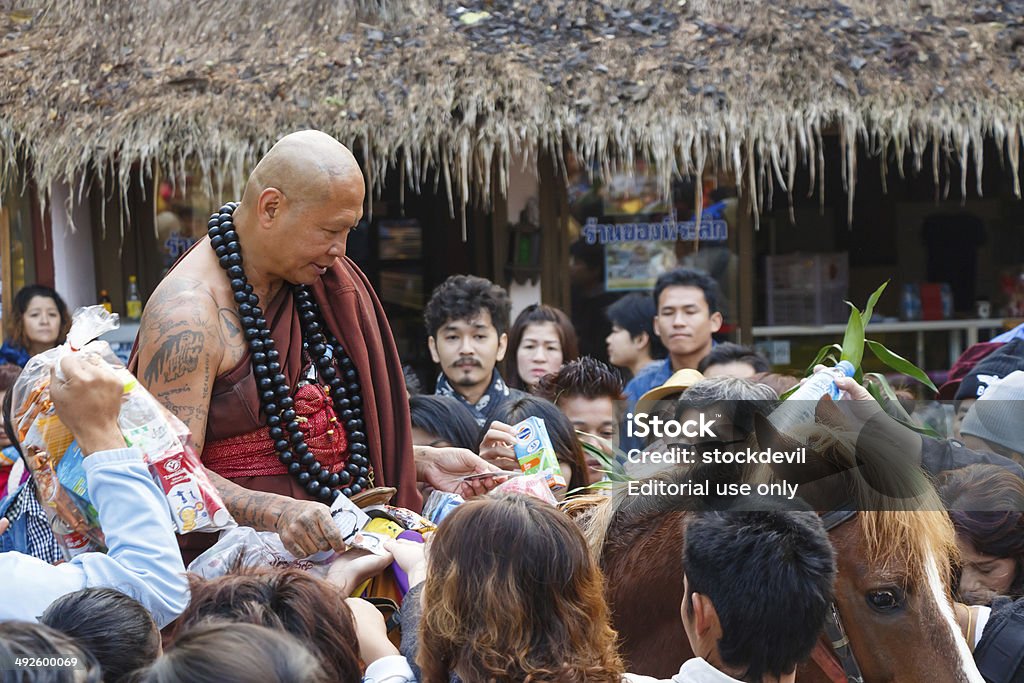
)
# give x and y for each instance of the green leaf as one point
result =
(878, 386)
(872, 300)
(610, 464)
(822, 353)
(853, 340)
(886, 396)
(900, 364)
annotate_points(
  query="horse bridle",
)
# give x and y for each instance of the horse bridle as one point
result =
(834, 630)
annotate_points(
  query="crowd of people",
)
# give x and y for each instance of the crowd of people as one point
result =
(270, 345)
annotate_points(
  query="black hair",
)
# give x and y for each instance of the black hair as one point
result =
(115, 628)
(230, 652)
(462, 297)
(584, 377)
(687, 277)
(8, 416)
(727, 352)
(28, 639)
(770, 578)
(635, 313)
(447, 418)
(413, 386)
(563, 434)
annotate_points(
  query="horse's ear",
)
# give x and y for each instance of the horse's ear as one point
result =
(827, 413)
(814, 467)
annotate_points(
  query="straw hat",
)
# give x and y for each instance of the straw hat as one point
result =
(676, 384)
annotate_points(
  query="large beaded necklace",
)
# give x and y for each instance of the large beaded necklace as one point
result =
(275, 394)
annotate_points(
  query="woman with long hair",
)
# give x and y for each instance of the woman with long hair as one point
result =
(40, 321)
(512, 594)
(986, 505)
(541, 339)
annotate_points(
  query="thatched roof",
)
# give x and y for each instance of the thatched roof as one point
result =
(459, 87)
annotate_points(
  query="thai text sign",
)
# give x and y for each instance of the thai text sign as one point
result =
(667, 230)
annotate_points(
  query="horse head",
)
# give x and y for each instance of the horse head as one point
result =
(894, 556)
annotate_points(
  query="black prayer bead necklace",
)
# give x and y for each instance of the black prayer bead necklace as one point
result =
(275, 394)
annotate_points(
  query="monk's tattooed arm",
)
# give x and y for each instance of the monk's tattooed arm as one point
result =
(180, 350)
(255, 509)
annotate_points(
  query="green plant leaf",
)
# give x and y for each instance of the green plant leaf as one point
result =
(879, 388)
(853, 340)
(610, 464)
(885, 395)
(872, 300)
(822, 354)
(900, 364)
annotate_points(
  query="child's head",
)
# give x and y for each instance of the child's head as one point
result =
(115, 628)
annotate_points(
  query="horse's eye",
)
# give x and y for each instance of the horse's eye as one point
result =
(885, 600)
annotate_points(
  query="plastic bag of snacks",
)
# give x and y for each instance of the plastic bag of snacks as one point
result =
(535, 485)
(56, 461)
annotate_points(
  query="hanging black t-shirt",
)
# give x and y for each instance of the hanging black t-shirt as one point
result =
(952, 240)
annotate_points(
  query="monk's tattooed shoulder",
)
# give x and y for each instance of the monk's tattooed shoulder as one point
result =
(177, 356)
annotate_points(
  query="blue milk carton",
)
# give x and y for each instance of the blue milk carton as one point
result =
(535, 453)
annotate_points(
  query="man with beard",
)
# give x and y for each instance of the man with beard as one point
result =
(466, 320)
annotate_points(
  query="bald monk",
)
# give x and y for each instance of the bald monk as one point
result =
(288, 416)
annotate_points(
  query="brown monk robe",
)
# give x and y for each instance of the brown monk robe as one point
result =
(299, 204)
(355, 317)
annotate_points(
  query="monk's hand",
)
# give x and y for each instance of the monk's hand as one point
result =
(87, 397)
(306, 528)
(446, 468)
(497, 446)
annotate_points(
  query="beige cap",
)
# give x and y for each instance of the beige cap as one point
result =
(676, 384)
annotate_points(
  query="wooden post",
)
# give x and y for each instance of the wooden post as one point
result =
(747, 274)
(5, 266)
(554, 216)
(499, 231)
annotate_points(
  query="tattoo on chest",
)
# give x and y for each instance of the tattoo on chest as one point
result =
(231, 328)
(176, 357)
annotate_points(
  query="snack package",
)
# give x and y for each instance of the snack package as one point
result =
(439, 504)
(535, 485)
(250, 548)
(535, 453)
(264, 548)
(407, 519)
(55, 460)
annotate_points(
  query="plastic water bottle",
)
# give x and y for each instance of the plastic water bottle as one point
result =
(798, 409)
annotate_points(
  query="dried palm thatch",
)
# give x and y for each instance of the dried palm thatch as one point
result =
(460, 89)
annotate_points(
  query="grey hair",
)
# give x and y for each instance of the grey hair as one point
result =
(740, 398)
(723, 388)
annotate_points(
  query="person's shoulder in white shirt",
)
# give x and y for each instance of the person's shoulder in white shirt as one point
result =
(694, 670)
